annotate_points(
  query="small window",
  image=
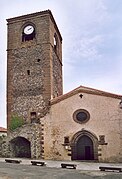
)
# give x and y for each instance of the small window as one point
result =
(28, 72)
(55, 41)
(38, 60)
(66, 140)
(33, 117)
(33, 114)
(101, 139)
(81, 116)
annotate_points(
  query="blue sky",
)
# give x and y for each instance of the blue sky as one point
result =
(92, 42)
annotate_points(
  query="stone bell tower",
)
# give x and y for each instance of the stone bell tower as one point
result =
(34, 65)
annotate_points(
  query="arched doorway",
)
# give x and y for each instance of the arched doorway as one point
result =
(84, 146)
(20, 147)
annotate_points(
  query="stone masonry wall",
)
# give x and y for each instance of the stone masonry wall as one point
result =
(56, 61)
(57, 75)
(28, 67)
(32, 133)
(29, 81)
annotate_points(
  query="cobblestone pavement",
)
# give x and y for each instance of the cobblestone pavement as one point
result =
(53, 170)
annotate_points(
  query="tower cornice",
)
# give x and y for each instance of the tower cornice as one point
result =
(33, 15)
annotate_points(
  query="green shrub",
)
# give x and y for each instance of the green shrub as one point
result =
(16, 121)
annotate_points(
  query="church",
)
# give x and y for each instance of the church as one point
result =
(84, 124)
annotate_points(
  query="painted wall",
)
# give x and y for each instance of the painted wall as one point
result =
(105, 119)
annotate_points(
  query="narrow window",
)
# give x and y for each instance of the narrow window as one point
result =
(55, 41)
(38, 60)
(33, 116)
(28, 72)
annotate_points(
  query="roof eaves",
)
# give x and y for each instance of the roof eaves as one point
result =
(82, 89)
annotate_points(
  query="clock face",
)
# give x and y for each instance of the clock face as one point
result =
(28, 29)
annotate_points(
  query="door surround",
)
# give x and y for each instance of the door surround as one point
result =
(75, 139)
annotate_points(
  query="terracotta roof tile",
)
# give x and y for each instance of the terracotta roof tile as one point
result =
(2, 129)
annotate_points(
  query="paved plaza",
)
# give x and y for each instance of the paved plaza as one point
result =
(53, 170)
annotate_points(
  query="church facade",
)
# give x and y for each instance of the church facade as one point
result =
(84, 124)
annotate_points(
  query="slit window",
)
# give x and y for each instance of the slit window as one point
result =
(55, 41)
(28, 72)
(33, 116)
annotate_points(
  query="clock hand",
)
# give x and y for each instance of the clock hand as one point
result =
(30, 28)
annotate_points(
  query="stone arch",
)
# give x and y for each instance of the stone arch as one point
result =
(20, 147)
(27, 37)
(30, 135)
(92, 143)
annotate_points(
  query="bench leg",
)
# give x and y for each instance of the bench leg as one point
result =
(63, 166)
(34, 164)
(102, 169)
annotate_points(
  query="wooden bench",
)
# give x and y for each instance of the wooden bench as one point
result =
(38, 163)
(12, 161)
(111, 169)
(68, 165)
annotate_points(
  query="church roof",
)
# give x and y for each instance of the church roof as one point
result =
(83, 89)
(2, 129)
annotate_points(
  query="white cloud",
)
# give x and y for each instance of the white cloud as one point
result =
(92, 40)
(85, 31)
(86, 48)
